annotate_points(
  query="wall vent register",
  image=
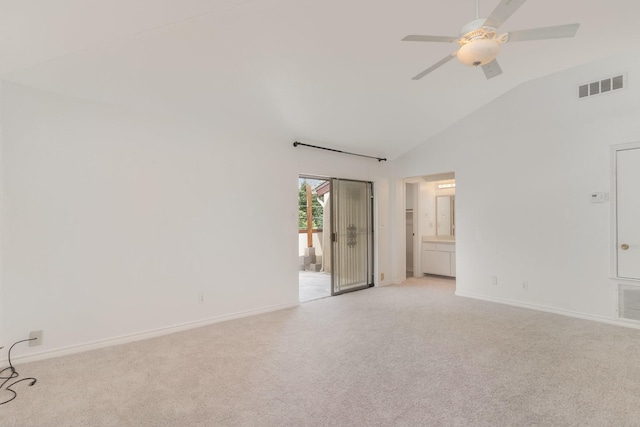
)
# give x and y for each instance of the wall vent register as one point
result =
(601, 86)
(629, 302)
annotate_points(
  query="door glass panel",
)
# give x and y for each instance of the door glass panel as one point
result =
(352, 235)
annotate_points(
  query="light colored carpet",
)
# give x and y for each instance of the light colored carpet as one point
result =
(407, 355)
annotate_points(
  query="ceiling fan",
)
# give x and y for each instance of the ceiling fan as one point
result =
(480, 42)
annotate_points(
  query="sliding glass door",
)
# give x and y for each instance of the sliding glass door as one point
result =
(352, 235)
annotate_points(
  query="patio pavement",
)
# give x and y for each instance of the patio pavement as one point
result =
(314, 285)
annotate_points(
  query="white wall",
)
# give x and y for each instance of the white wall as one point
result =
(312, 162)
(427, 199)
(1, 216)
(525, 166)
(114, 222)
(410, 196)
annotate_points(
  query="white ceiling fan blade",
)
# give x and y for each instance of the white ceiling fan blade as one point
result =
(492, 69)
(556, 32)
(434, 66)
(502, 12)
(414, 38)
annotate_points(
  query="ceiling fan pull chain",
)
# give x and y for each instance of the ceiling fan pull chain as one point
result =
(477, 9)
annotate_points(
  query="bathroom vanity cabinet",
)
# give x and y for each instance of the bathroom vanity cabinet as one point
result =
(439, 256)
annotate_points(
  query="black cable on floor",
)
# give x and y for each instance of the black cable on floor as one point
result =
(13, 374)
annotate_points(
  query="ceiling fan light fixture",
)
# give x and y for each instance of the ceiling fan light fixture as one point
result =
(480, 42)
(478, 52)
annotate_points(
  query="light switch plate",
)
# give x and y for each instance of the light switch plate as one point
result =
(598, 197)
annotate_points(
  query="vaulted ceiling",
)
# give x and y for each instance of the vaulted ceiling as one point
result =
(333, 72)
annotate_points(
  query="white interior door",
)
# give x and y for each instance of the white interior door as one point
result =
(628, 212)
(352, 235)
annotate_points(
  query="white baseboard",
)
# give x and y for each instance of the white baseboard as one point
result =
(547, 309)
(386, 283)
(145, 335)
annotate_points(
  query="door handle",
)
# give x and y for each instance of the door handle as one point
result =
(624, 246)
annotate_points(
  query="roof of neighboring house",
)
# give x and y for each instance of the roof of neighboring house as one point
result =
(323, 188)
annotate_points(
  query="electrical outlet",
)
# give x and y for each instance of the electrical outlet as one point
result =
(381, 276)
(525, 285)
(200, 298)
(38, 338)
(494, 280)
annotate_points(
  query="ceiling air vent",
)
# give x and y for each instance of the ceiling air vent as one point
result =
(601, 86)
(629, 302)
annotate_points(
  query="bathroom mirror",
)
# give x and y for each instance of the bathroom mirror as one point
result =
(445, 216)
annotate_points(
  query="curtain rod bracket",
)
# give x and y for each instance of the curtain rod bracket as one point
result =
(379, 159)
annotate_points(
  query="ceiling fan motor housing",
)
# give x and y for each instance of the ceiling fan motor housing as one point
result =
(472, 26)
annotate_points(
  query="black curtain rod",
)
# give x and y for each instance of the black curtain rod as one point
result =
(380, 159)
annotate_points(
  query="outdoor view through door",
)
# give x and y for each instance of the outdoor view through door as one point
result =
(335, 223)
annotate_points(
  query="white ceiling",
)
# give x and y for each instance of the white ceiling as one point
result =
(333, 71)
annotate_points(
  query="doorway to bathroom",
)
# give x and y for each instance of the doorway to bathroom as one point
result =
(430, 225)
